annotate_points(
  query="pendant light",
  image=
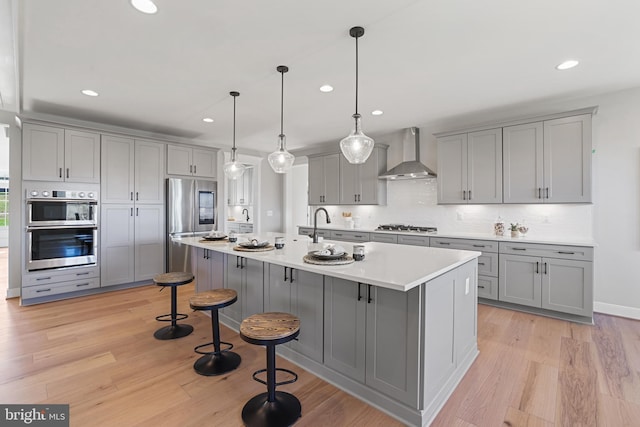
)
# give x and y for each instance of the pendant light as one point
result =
(233, 169)
(281, 160)
(357, 146)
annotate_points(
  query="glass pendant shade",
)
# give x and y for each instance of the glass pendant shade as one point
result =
(356, 147)
(281, 160)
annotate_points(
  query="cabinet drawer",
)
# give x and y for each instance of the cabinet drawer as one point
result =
(464, 244)
(56, 276)
(488, 287)
(384, 237)
(246, 228)
(549, 251)
(413, 240)
(350, 236)
(305, 231)
(488, 264)
(60, 288)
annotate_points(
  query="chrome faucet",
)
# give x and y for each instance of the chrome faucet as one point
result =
(315, 222)
(247, 211)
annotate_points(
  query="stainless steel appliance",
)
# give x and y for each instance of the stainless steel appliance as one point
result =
(62, 229)
(191, 211)
(403, 227)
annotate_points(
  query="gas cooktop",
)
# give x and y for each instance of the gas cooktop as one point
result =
(403, 227)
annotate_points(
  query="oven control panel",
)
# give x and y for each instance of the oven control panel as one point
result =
(62, 194)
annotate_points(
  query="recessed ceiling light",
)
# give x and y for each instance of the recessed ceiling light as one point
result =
(377, 113)
(90, 92)
(326, 88)
(208, 120)
(145, 6)
(567, 64)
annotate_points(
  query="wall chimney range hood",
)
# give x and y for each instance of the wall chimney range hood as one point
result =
(410, 168)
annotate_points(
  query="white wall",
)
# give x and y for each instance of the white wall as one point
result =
(613, 220)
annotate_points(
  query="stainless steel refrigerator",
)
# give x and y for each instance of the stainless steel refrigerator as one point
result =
(191, 211)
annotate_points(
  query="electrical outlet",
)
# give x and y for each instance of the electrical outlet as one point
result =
(460, 215)
(466, 286)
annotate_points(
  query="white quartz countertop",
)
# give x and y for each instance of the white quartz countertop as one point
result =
(398, 267)
(529, 238)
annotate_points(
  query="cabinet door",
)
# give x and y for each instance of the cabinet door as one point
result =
(332, 179)
(247, 187)
(488, 287)
(81, 156)
(452, 169)
(233, 280)
(567, 286)
(519, 280)
(201, 268)
(42, 153)
(117, 169)
(522, 151)
(252, 287)
(393, 342)
(204, 162)
(316, 180)
(349, 182)
(307, 303)
(344, 327)
(179, 160)
(149, 243)
(278, 295)
(484, 166)
(567, 160)
(149, 172)
(370, 188)
(117, 245)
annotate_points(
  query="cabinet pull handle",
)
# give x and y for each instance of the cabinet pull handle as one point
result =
(67, 172)
(444, 243)
(545, 268)
(479, 246)
(359, 296)
(82, 274)
(79, 285)
(519, 249)
(60, 172)
(480, 287)
(131, 211)
(136, 196)
(547, 191)
(190, 168)
(355, 197)
(132, 195)
(481, 263)
(243, 264)
(285, 274)
(44, 290)
(464, 194)
(539, 193)
(137, 211)
(369, 294)
(194, 168)
(237, 262)
(44, 278)
(566, 253)
(537, 267)
(469, 198)
(358, 235)
(291, 275)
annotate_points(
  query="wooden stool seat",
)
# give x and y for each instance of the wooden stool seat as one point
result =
(273, 408)
(173, 280)
(219, 361)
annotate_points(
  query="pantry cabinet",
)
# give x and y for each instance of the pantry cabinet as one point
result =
(57, 154)
(548, 161)
(470, 167)
(324, 179)
(191, 161)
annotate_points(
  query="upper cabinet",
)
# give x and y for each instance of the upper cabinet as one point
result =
(191, 161)
(132, 171)
(470, 167)
(324, 180)
(241, 189)
(548, 161)
(359, 184)
(58, 154)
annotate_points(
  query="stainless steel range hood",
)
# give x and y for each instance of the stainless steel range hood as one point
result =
(410, 168)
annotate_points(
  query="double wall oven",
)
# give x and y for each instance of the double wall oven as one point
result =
(62, 229)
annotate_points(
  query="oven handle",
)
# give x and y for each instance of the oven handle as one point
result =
(79, 201)
(62, 227)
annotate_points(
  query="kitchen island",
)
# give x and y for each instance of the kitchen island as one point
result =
(398, 329)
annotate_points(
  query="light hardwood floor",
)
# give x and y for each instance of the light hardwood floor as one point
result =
(98, 354)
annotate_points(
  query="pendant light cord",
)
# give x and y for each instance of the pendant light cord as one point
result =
(234, 123)
(282, 103)
(356, 74)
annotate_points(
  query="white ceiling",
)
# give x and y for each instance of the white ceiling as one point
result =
(420, 61)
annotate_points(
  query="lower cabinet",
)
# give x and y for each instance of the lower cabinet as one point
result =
(208, 269)
(300, 293)
(558, 278)
(372, 335)
(246, 277)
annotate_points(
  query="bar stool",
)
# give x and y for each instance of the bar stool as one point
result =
(216, 362)
(273, 408)
(173, 331)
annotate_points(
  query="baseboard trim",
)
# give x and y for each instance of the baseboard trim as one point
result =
(13, 292)
(617, 310)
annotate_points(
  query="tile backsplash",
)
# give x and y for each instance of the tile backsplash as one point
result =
(415, 202)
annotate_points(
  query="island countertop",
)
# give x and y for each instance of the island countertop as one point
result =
(397, 267)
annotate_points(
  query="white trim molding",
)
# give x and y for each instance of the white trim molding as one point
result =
(617, 310)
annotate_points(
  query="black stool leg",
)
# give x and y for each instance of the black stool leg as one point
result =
(218, 362)
(175, 330)
(273, 408)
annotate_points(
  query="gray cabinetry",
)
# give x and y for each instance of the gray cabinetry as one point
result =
(191, 161)
(552, 277)
(301, 293)
(362, 339)
(470, 167)
(246, 277)
(359, 184)
(308, 231)
(413, 240)
(350, 236)
(383, 237)
(324, 179)
(208, 268)
(487, 262)
(548, 161)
